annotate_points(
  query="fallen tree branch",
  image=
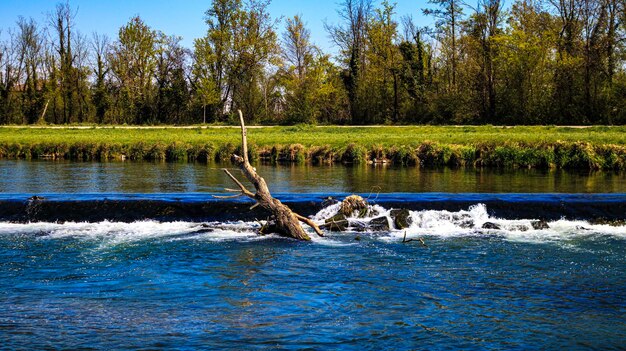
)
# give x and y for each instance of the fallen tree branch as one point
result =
(228, 196)
(242, 188)
(233, 190)
(310, 223)
(287, 221)
(404, 239)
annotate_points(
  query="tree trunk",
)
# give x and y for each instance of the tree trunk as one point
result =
(43, 114)
(287, 223)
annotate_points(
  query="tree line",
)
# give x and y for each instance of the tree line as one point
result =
(530, 62)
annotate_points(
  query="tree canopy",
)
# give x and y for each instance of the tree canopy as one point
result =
(530, 62)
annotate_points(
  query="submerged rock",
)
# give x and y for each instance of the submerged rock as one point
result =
(329, 201)
(202, 231)
(490, 225)
(401, 218)
(463, 220)
(519, 227)
(358, 226)
(367, 212)
(379, 224)
(336, 223)
(336, 218)
(338, 226)
(538, 225)
(612, 223)
(467, 224)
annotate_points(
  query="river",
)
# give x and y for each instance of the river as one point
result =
(214, 284)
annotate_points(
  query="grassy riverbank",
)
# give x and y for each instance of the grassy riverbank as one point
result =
(537, 147)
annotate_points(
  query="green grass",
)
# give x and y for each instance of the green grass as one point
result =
(598, 147)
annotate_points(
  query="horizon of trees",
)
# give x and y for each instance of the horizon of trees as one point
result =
(532, 62)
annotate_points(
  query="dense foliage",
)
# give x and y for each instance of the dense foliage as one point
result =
(530, 62)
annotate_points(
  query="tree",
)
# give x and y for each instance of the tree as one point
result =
(414, 71)
(172, 93)
(350, 37)
(133, 63)
(448, 15)
(67, 68)
(213, 56)
(483, 30)
(525, 59)
(30, 49)
(284, 221)
(8, 78)
(230, 60)
(255, 47)
(100, 70)
(594, 14)
(206, 79)
(383, 59)
(535, 62)
(298, 54)
(567, 84)
(80, 74)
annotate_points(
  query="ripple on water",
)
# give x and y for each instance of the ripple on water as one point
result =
(218, 285)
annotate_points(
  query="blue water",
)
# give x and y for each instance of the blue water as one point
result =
(217, 285)
(151, 285)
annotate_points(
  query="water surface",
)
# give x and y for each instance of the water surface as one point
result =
(161, 177)
(218, 285)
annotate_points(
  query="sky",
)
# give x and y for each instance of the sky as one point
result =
(184, 18)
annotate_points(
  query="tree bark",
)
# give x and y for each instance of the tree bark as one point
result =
(287, 222)
(43, 114)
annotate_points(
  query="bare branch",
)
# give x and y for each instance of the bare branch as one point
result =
(310, 223)
(241, 186)
(228, 196)
(232, 190)
(244, 139)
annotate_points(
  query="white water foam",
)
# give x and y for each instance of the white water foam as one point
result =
(113, 233)
(446, 224)
(426, 223)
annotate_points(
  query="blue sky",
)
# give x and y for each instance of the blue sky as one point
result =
(183, 17)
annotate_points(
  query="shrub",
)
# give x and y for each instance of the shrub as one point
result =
(224, 152)
(321, 154)
(176, 152)
(354, 153)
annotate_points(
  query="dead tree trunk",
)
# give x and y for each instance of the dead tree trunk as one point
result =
(287, 222)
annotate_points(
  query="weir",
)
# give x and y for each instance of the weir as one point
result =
(196, 207)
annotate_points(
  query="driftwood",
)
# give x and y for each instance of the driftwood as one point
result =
(404, 240)
(286, 222)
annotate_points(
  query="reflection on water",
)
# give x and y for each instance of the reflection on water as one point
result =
(148, 177)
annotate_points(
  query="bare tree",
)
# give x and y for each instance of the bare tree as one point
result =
(30, 47)
(80, 74)
(62, 21)
(100, 69)
(350, 37)
(285, 222)
(298, 50)
(448, 14)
